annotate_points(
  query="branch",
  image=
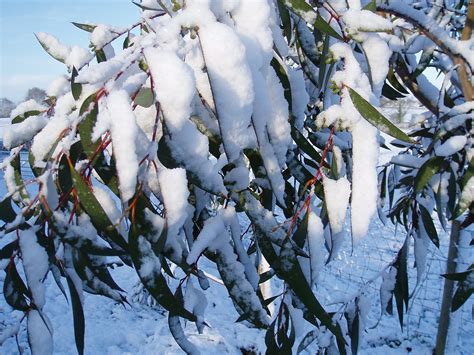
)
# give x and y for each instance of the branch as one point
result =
(436, 34)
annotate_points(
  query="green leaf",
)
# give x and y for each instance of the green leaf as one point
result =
(87, 124)
(462, 205)
(84, 26)
(439, 207)
(7, 214)
(324, 27)
(91, 205)
(371, 6)
(48, 50)
(354, 331)
(323, 64)
(462, 294)
(144, 7)
(100, 55)
(301, 8)
(291, 272)
(76, 88)
(299, 237)
(78, 316)
(145, 97)
(308, 43)
(285, 81)
(374, 117)
(25, 115)
(390, 93)
(305, 145)
(14, 289)
(401, 281)
(154, 282)
(164, 154)
(285, 20)
(267, 275)
(460, 276)
(7, 251)
(307, 340)
(429, 225)
(431, 167)
(224, 261)
(392, 79)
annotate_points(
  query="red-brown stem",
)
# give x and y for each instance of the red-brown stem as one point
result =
(311, 182)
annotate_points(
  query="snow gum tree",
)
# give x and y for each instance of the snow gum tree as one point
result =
(168, 136)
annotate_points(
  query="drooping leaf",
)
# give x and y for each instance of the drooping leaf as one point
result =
(462, 294)
(429, 225)
(390, 93)
(84, 26)
(76, 88)
(78, 316)
(431, 167)
(14, 289)
(285, 20)
(326, 28)
(354, 331)
(145, 97)
(310, 337)
(301, 8)
(91, 205)
(46, 46)
(7, 213)
(401, 282)
(374, 117)
(100, 56)
(154, 281)
(285, 81)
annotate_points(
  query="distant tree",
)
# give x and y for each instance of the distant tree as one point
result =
(6, 106)
(36, 94)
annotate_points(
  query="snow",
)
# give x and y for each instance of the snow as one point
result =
(451, 146)
(46, 138)
(58, 86)
(336, 198)
(213, 228)
(30, 105)
(109, 206)
(457, 47)
(102, 35)
(36, 265)
(123, 130)
(71, 56)
(47, 190)
(244, 94)
(231, 82)
(366, 21)
(16, 134)
(39, 333)
(364, 177)
(174, 190)
(316, 245)
(299, 96)
(410, 161)
(175, 90)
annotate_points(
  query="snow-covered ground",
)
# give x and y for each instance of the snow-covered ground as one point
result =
(115, 329)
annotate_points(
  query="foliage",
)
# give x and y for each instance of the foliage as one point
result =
(151, 156)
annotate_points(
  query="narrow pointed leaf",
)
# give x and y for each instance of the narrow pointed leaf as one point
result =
(374, 117)
(426, 172)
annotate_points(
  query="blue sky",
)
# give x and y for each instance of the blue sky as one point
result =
(23, 63)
